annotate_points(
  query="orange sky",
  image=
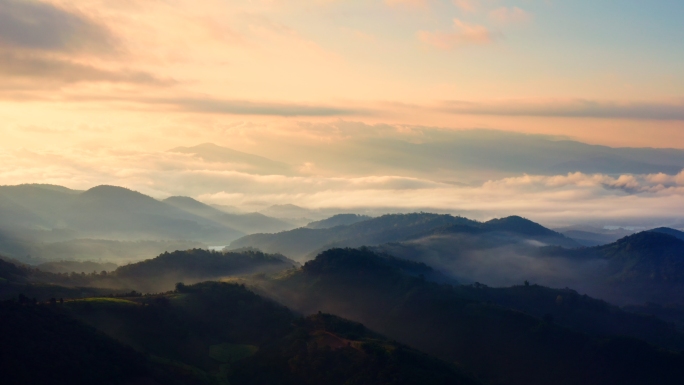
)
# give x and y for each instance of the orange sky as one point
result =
(123, 72)
(89, 85)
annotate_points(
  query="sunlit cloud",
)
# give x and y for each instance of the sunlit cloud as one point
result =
(47, 69)
(551, 198)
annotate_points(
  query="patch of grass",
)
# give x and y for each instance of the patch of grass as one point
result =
(230, 353)
(101, 302)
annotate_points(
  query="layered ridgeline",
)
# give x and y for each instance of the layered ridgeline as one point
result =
(338, 220)
(247, 223)
(51, 222)
(154, 275)
(579, 340)
(303, 243)
(647, 266)
(644, 267)
(217, 332)
(210, 333)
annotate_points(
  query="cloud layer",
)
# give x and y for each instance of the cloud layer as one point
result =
(552, 199)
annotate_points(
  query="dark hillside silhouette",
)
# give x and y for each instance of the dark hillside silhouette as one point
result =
(503, 346)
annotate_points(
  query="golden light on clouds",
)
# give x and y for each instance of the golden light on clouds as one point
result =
(101, 77)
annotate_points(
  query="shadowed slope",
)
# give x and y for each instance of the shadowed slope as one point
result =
(502, 346)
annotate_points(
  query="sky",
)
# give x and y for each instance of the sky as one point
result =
(90, 89)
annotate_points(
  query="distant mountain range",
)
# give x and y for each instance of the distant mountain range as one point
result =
(245, 223)
(40, 220)
(643, 267)
(304, 243)
(338, 220)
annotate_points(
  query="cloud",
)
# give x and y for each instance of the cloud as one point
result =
(39, 67)
(245, 107)
(509, 15)
(554, 198)
(37, 25)
(462, 34)
(575, 108)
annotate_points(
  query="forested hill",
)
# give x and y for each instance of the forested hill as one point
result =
(162, 272)
(646, 256)
(40, 346)
(643, 267)
(209, 333)
(299, 243)
(338, 220)
(669, 231)
(501, 345)
(153, 275)
(304, 243)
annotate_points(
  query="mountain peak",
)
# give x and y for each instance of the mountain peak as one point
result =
(669, 231)
(111, 191)
(117, 197)
(519, 224)
(648, 240)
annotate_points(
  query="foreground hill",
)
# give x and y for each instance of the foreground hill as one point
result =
(500, 345)
(40, 346)
(224, 333)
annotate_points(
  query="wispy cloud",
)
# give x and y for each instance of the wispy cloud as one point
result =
(462, 34)
(246, 107)
(574, 108)
(15, 66)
